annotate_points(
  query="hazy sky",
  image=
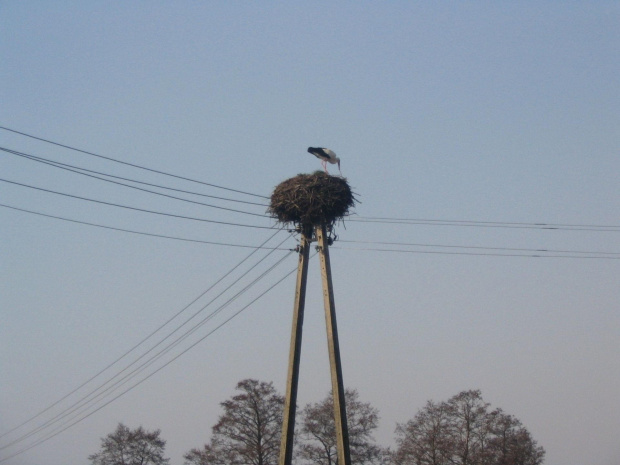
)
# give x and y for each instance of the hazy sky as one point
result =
(481, 119)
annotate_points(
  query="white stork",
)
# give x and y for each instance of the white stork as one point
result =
(325, 155)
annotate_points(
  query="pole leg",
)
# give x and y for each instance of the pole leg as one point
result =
(340, 412)
(290, 403)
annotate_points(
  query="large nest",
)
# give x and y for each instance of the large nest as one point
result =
(311, 199)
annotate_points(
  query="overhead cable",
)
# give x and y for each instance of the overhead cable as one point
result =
(105, 388)
(75, 422)
(509, 249)
(133, 208)
(483, 224)
(86, 401)
(487, 254)
(29, 420)
(145, 190)
(130, 164)
(142, 233)
(536, 252)
(79, 169)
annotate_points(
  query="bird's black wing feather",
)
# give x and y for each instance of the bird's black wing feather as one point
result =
(318, 152)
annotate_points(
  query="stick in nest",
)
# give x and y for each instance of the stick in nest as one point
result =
(311, 199)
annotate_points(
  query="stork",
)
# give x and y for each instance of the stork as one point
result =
(325, 155)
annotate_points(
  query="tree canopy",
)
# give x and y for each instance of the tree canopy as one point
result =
(464, 431)
(248, 432)
(131, 447)
(317, 432)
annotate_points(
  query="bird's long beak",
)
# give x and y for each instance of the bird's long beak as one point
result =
(339, 166)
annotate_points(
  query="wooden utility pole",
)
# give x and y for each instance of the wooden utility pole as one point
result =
(290, 403)
(340, 411)
(340, 416)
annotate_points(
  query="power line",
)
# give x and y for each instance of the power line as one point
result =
(88, 399)
(483, 224)
(130, 164)
(29, 420)
(361, 219)
(385, 220)
(141, 188)
(133, 208)
(184, 336)
(510, 249)
(142, 233)
(52, 435)
(486, 254)
(535, 252)
(69, 167)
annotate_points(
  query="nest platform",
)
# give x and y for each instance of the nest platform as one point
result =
(311, 200)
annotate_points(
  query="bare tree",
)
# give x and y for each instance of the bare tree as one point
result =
(464, 431)
(469, 428)
(317, 432)
(211, 454)
(131, 447)
(512, 444)
(425, 440)
(248, 432)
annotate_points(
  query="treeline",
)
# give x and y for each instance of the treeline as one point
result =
(463, 430)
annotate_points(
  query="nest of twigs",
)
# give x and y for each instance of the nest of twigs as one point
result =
(311, 199)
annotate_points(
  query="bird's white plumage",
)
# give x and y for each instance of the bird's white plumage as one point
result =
(325, 155)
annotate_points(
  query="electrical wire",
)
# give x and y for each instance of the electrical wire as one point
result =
(142, 233)
(81, 409)
(361, 219)
(83, 171)
(153, 192)
(125, 379)
(510, 249)
(29, 420)
(191, 303)
(385, 220)
(483, 224)
(56, 433)
(133, 208)
(403, 244)
(103, 391)
(129, 164)
(536, 252)
(158, 193)
(85, 402)
(485, 254)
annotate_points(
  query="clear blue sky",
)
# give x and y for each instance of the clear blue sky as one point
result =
(503, 112)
